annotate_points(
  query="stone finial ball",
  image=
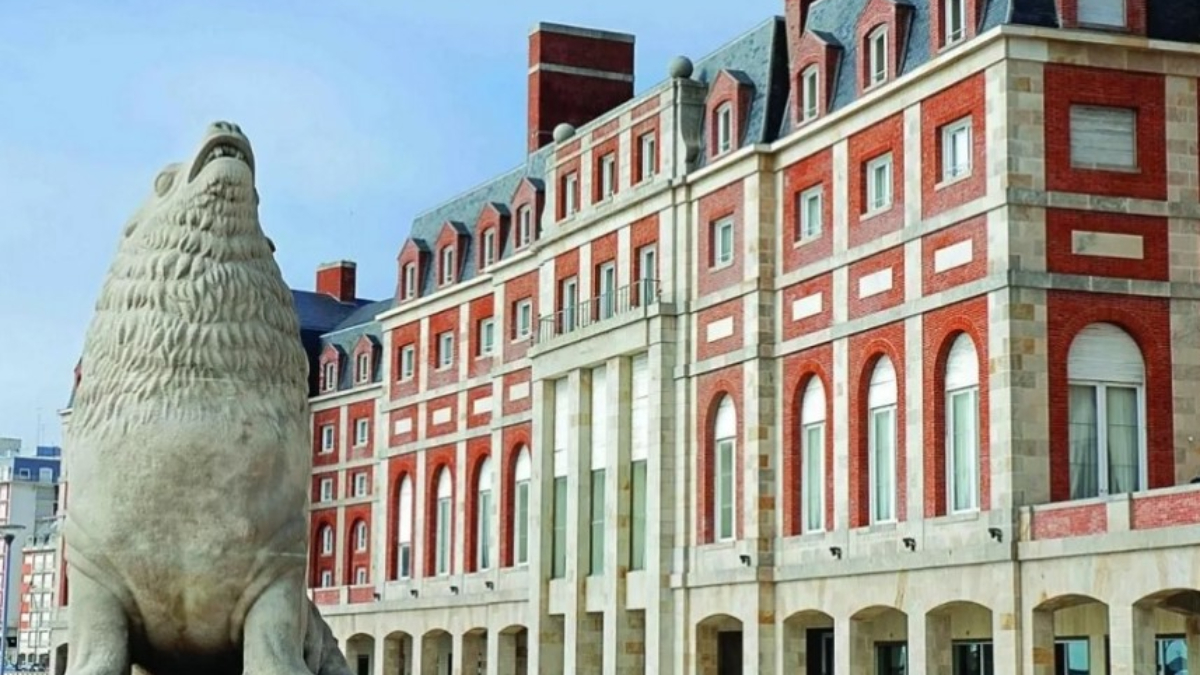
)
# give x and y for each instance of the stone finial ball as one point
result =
(563, 132)
(680, 67)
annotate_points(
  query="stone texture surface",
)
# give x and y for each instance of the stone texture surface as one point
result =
(194, 390)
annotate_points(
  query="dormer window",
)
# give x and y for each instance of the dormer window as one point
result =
(489, 249)
(877, 62)
(809, 92)
(362, 369)
(1102, 13)
(447, 265)
(330, 382)
(410, 281)
(724, 123)
(955, 20)
(524, 226)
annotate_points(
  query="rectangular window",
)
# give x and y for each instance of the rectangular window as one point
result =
(330, 377)
(956, 21)
(725, 489)
(570, 304)
(558, 563)
(522, 524)
(1072, 657)
(1102, 13)
(363, 368)
(724, 128)
(410, 281)
(637, 530)
(362, 431)
(484, 530)
(489, 248)
(883, 464)
(962, 434)
(608, 290)
(487, 337)
(973, 658)
(722, 242)
(649, 158)
(597, 523)
(1105, 424)
(570, 189)
(326, 489)
(408, 362)
(360, 576)
(1103, 137)
(525, 227)
(879, 57)
(447, 265)
(608, 175)
(813, 472)
(891, 658)
(810, 92)
(1171, 654)
(956, 150)
(524, 327)
(326, 579)
(360, 484)
(648, 274)
(327, 438)
(443, 536)
(445, 350)
(879, 183)
(819, 651)
(809, 211)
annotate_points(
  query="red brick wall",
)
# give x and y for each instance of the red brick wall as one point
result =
(811, 50)
(398, 467)
(351, 476)
(337, 281)
(941, 328)
(410, 254)
(321, 419)
(972, 19)
(865, 350)
(575, 99)
(798, 370)
(580, 52)
(364, 346)
(408, 334)
(734, 309)
(478, 449)
(605, 131)
(823, 285)
(1154, 265)
(527, 194)
(612, 145)
(816, 169)
(434, 430)
(566, 265)
(320, 561)
(1148, 322)
(448, 237)
(354, 557)
(711, 387)
(520, 288)
(892, 258)
(316, 485)
(726, 202)
(1095, 86)
(896, 17)
(946, 107)
(436, 460)
(489, 219)
(395, 439)
(440, 323)
(886, 136)
(511, 407)
(1135, 14)
(649, 105)
(974, 230)
(512, 440)
(1169, 510)
(361, 594)
(644, 233)
(474, 421)
(604, 251)
(480, 309)
(363, 409)
(1073, 521)
(724, 90)
(329, 355)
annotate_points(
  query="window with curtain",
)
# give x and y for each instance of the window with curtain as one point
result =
(962, 426)
(812, 455)
(404, 527)
(881, 441)
(520, 531)
(443, 524)
(1106, 412)
(724, 445)
(483, 516)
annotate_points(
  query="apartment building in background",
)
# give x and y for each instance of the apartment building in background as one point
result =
(28, 493)
(868, 343)
(39, 581)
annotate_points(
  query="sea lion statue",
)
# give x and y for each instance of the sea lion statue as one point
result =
(189, 444)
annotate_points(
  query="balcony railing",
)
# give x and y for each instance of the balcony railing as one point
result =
(576, 316)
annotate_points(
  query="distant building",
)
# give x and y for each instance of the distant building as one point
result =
(28, 496)
(39, 583)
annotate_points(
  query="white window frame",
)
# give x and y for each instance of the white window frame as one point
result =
(408, 362)
(648, 274)
(876, 202)
(404, 529)
(442, 524)
(360, 576)
(570, 188)
(489, 248)
(362, 431)
(813, 424)
(447, 265)
(886, 406)
(327, 543)
(955, 168)
(410, 281)
(362, 536)
(810, 88)
(326, 579)
(962, 380)
(445, 350)
(877, 61)
(522, 477)
(608, 175)
(487, 337)
(330, 383)
(724, 122)
(1096, 20)
(524, 226)
(328, 438)
(807, 230)
(326, 490)
(524, 320)
(608, 290)
(570, 304)
(723, 250)
(649, 158)
(1078, 116)
(955, 12)
(363, 365)
(360, 484)
(483, 517)
(725, 452)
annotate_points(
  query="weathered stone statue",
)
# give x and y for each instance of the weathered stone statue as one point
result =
(189, 440)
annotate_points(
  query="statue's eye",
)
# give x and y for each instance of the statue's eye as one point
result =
(163, 183)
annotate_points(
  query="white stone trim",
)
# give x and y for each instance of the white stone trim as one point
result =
(719, 329)
(954, 255)
(1108, 245)
(875, 283)
(809, 305)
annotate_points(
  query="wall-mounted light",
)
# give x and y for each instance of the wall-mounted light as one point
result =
(910, 543)
(378, 596)
(996, 533)
(414, 592)
(454, 590)
(490, 585)
(836, 551)
(745, 559)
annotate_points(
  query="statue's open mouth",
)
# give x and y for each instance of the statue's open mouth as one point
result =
(225, 146)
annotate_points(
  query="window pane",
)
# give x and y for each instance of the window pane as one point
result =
(443, 536)
(1102, 12)
(1103, 137)
(1122, 436)
(637, 489)
(485, 529)
(1083, 433)
(725, 489)
(964, 452)
(884, 474)
(522, 524)
(559, 562)
(597, 540)
(813, 486)
(1071, 657)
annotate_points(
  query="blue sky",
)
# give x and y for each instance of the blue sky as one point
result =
(362, 114)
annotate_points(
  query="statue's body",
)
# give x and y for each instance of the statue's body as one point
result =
(190, 444)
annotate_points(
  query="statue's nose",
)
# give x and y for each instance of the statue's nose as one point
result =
(224, 128)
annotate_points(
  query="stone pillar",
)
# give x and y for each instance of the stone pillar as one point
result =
(1131, 640)
(1006, 641)
(379, 659)
(502, 654)
(1192, 635)
(1039, 658)
(580, 642)
(546, 632)
(936, 650)
(623, 642)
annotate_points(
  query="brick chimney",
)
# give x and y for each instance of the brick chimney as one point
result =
(336, 279)
(575, 76)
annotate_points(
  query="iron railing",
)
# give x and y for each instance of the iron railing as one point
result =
(583, 313)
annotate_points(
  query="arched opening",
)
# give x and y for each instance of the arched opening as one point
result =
(360, 651)
(1166, 631)
(813, 434)
(475, 650)
(882, 434)
(958, 639)
(879, 635)
(397, 654)
(60, 659)
(808, 643)
(724, 476)
(1070, 635)
(483, 515)
(443, 522)
(719, 646)
(437, 653)
(514, 651)
(960, 407)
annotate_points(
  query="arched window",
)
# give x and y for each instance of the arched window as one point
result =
(404, 534)
(881, 430)
(724, 447)
(483, 516)
(360, 536)
(1106, 412)
(962, 426)
(812, 455)
(444, 514)
(520, 530)
(327, 540)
